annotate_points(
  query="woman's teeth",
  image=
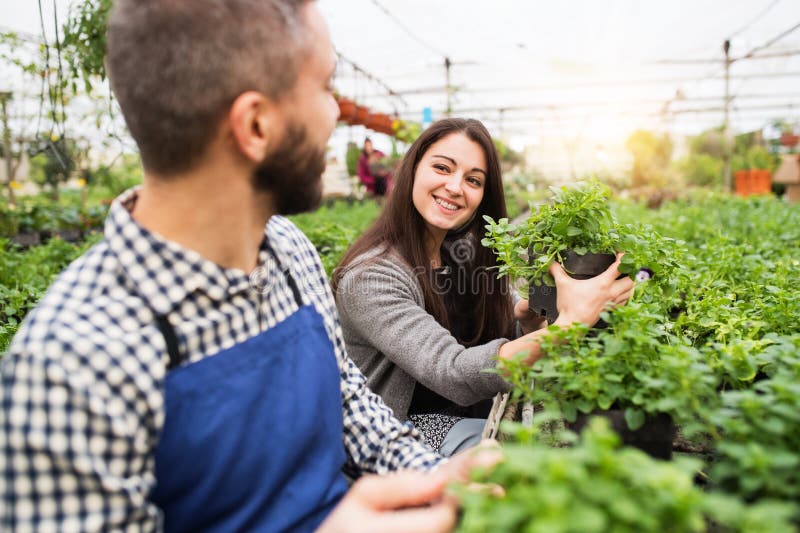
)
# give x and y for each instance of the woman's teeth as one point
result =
(446, 205)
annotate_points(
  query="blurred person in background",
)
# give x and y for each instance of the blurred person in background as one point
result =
(372, 172)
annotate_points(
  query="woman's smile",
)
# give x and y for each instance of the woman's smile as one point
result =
(447, 207)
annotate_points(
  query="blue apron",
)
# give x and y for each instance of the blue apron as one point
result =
(252, 437)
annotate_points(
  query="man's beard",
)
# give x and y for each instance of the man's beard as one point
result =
(293, 173)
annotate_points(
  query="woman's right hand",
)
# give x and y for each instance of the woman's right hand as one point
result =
(579, 300)
(582, 300)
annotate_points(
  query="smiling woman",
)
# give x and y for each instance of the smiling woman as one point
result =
(422, 311)
(448, 187)
(422, 315)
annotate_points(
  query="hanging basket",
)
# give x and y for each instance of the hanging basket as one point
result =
(347, 109)
(362, 114)
(387, 125)
(380, 122)
(789, 139)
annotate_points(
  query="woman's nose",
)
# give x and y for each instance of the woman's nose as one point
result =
(453, 183)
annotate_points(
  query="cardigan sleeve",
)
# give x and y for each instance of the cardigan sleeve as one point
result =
(383, 303)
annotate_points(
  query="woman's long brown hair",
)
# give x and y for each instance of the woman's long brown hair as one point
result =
(474, 305)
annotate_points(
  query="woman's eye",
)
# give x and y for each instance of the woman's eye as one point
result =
(440, 167)
(475, 181)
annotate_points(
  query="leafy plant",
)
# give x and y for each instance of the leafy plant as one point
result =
(757, 456)
(332, 229)
(577, 218)
(351, 158)
(406, 131)
(25, 276)
(702, 169)
(596, 486)
(69, 218)
(85, 41)
(651, 157)
(759, 157)
(9, 225)
(635, 364)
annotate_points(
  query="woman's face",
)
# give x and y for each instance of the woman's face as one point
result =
(368, 147)
(449, 183)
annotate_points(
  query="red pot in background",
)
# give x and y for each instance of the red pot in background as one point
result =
(789, 139)
(362, 115)
(741, 180)
(753, 181)
(761, 181)
(380, 122)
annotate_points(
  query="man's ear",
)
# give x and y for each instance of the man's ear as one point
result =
(253, 119)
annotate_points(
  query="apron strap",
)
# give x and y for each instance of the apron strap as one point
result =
(168, 332)
(295, 290)
(288, 273)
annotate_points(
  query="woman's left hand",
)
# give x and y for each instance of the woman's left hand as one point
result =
(528, 320)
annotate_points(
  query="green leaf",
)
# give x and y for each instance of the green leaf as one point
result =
(634, 417)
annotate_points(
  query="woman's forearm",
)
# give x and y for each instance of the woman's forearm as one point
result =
(529, 346)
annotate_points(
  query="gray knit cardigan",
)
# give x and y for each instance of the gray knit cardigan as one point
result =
(396, 343)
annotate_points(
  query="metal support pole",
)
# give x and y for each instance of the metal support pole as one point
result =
(448, 87)
(726, 144)
(4, 98)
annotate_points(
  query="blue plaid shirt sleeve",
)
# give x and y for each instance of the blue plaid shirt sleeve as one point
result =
(375, 440)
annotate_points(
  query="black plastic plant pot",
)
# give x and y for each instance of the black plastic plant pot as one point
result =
(27, 240)
(542, 299)
(654, 437)
(70, 235)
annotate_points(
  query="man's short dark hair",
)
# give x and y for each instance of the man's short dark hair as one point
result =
(176, 66)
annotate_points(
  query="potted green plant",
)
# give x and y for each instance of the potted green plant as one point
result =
(578, 229)
(635, 373)
(9, 226)
(406, 131)
(542, 298)
(608, 371)
(69, 224)
(32, 224)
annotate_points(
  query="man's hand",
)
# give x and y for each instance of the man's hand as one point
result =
(486, 455)
(584, 300)
(528, 320)
(395, 503)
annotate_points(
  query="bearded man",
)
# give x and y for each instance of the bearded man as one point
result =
(188, 372)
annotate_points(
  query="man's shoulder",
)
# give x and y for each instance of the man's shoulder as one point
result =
(292, 242)
(288, 232)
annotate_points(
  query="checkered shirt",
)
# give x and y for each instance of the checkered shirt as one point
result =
(82, 383)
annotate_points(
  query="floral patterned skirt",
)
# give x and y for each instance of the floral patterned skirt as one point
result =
(434, 427)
